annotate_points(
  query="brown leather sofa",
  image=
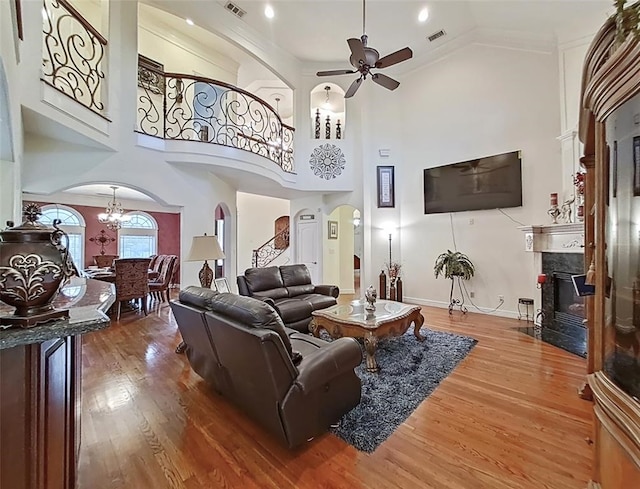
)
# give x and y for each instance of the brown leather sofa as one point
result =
(288, 289)
(292, 384)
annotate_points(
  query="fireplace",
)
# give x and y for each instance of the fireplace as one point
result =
(563, 311)
(558, 253)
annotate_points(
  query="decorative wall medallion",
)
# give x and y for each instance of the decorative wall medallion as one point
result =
(327, 161)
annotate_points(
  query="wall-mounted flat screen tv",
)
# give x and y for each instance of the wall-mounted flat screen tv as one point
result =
(486, 183)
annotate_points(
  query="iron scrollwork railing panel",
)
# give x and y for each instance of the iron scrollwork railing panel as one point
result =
(271, 250)
(150, 96)
(73, 54)
(199, 109)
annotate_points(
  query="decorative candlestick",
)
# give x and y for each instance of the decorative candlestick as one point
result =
(317, 128)
(327, 128)
(338, 130)
(554, 211)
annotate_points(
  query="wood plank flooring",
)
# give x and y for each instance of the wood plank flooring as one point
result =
(508, 417)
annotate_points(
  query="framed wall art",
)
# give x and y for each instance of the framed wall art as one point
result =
(386, 190)
(333, 229)
(222, 285)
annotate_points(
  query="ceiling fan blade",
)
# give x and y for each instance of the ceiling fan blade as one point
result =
(385, 81)
(335, 72)
(357, 50)
(353, 88)
(394, 58)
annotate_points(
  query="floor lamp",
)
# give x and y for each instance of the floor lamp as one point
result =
(205, 248)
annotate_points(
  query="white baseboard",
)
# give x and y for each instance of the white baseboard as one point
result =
(445, 305)
(347, 291)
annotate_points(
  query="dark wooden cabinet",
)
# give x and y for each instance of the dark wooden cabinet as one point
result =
(39, 409)
(609, 129)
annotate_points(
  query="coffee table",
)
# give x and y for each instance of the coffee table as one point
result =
(352, 320)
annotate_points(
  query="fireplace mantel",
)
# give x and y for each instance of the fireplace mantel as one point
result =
(555, 238)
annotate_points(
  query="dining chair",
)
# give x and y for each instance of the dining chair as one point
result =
(159, 288)
(104, 261)
(132, 281)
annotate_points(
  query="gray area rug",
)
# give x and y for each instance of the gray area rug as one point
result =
(409, 372)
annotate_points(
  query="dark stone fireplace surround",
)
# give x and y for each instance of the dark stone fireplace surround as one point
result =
(562, 309)
(558, 253)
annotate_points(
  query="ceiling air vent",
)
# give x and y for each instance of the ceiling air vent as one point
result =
(234, 9)
(436, 35)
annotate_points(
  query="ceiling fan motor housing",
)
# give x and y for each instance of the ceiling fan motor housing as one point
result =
(371, 58)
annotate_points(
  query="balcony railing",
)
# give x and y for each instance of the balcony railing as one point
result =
(193, 108)
(73, 54)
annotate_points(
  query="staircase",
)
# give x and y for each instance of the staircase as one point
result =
(271, 250)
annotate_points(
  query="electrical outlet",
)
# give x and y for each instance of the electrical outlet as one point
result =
(472, 294)
(501, 298)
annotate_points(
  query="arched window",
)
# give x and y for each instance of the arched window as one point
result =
(72, 223)
(138, 237)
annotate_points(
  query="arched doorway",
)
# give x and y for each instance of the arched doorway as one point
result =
(343, 249)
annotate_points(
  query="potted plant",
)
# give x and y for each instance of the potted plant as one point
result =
(454, 264)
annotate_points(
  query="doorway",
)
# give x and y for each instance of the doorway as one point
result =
(307, 234)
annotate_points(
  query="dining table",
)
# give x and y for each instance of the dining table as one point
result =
(107, 274)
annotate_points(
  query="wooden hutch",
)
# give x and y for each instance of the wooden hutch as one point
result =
(610, 132)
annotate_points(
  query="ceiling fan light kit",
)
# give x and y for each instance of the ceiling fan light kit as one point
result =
(364, 59)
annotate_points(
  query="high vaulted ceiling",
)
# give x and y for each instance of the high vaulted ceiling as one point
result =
(316, 30)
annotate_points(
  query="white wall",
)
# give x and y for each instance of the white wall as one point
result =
(10, 118)
(51, 166)
(180, 53)
(477, 102)
(256, 225)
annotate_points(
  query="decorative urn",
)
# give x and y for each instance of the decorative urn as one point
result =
(33, 264)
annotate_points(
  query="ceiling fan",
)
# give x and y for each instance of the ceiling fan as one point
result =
(364, 58)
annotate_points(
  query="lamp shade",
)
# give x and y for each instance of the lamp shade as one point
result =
(205, 248)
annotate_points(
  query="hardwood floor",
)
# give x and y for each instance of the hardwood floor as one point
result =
(508, 417)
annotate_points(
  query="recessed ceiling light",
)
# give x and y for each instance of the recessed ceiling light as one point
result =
(189, 21)
(268, 12)
(423, 15)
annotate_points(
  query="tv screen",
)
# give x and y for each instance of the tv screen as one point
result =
(486, 183)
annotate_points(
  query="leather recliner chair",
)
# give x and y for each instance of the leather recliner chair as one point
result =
(292, 384)
(288, 289)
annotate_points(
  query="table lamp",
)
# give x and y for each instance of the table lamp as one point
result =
(205, 248)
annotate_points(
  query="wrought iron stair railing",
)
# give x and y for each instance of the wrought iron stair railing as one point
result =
(194, 108)
(271, 250)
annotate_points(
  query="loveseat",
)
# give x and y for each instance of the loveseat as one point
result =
(292, 384)
(288, 289)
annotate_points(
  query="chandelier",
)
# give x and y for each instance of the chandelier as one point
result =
(114, 215)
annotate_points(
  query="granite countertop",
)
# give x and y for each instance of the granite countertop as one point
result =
(87, 301)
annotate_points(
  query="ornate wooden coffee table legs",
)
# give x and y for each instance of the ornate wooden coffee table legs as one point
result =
(338, 327)
(418, 321)
(370, 345)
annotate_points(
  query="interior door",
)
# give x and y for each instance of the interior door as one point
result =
(307, 242)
